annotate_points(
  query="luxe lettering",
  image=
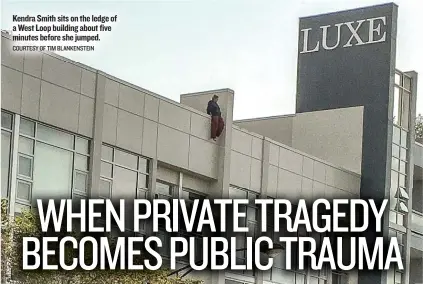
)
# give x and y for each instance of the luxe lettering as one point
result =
(356, 30)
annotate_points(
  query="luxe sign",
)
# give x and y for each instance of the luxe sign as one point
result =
(373, 32)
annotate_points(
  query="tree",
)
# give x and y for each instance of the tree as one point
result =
(419, 128)
(26, 224)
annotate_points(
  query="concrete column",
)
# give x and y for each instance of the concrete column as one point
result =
(95, 161)
(263, 190)
(151, 193)
(410, 170)
(14, 164)
(220, 189)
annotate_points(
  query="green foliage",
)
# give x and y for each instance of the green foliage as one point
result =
(419, 128)
(26, 225)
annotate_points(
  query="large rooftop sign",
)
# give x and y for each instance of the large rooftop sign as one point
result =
(347, 59)
(346, 34)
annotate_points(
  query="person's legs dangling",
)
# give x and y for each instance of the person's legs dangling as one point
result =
(221, 126)
(214, 126)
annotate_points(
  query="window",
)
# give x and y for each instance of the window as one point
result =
(396, 275)
(123, 175)
(401, 104)
(339, 277)
(6, 146)
(279, 272)
(405, 112)
(397, 97)
(166, 191)
(400, 151)
(407, 83)
(227, 281)
(189, 196)
(51, 164)
(249, 221)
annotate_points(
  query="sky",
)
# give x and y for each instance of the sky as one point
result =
(176, 47)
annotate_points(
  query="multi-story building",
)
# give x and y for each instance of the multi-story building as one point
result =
(71, 130)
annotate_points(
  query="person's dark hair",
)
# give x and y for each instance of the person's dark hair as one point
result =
(215, 97)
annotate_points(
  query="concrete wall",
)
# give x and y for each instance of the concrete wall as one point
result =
(418, 154)
(416, 269)
(418, 196)
(74, 97)
(332, 135)
(294, 174)
(290, 173)
(62, 93)
(48, 89)
(278, 128)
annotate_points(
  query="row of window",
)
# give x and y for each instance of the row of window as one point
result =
(396, 276)
(53, 163)
(170, 191)
(401, 109)
(400, 142)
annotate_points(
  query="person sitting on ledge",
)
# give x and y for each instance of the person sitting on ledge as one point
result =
(217, 123)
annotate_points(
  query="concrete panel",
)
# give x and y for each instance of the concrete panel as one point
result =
(8, 57)
(272, 184)
(241, 142)
(31, 93)
(257, 148)
(61, 73)
(355, 185)
(307, 189)
(330, 192)
(255, 183)
(319, 171)
(416, 268)
(151, 107)
(331, 172)
(149, 139)
(172, 146)
(352, 184)
(109, 124)
(129, 131)
(174, 116)
(59, 106)
(33, 63)
(203, 157)
(341, 179)
(86, 116)
(291, 161)
(318, 190)
(200, 126)
(274, 154)
(88, 83)
(289, 185)
(332, 135)
(11, 89)
(199, 101)
(196, 184)
(111, 92)
(131, 100)
(335, 193)
(308, 167)
(240, 170)
(167, 175)
(277, 128)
